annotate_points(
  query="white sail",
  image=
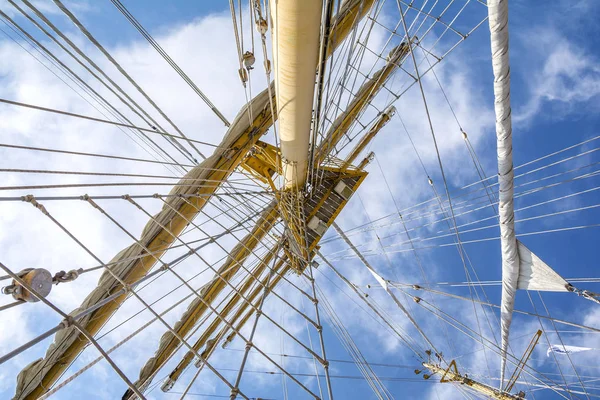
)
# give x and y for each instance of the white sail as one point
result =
(535, 274)
(565, 349)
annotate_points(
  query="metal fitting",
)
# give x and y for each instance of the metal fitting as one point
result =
(38, 279)
(262, 26)
(249, 60)
(167, 385)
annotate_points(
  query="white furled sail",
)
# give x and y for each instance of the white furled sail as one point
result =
(498, 21)
(565, 349)
(535, 274)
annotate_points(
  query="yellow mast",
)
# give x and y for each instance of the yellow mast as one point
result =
(451, 374)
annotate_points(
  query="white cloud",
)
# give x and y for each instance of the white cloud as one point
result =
(563, 78)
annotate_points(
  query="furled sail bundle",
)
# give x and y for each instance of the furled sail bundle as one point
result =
(521, 269)
(498, 21)
(295, 52)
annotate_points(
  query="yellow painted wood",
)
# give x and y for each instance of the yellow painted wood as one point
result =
(351, 12)
(262, 162)
(365, 94)
(451, 374)
(381, 121)
(217, 322)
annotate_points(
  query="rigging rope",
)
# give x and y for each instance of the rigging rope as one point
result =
(107, 105)
(169, 60)
(91, 38)
(70, 114)
(81, 84)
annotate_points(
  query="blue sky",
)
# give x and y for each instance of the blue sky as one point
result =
(555, 91)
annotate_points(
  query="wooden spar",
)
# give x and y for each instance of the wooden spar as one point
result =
(351, 12)
(217, 322)
(379, 123)
(365, 94)
(366, 161)
(168, 342)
